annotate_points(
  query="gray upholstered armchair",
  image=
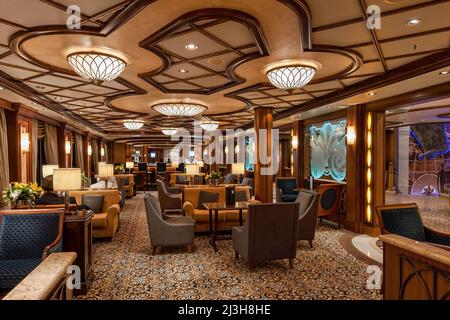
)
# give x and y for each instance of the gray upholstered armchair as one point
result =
(308, 202)
(167, 233)
(270, 233)
(26, 238)
(285, 189)
(405, 220)
(168, 201)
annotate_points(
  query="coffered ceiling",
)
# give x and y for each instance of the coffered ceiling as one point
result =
(231, 43)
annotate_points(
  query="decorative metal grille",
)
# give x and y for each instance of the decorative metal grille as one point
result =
(210, 125)
(179, 109)
(96, 67)
(133, 124)
(291, 77)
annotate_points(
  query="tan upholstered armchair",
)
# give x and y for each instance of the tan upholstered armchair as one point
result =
(193, 208)
(106, 223)
(128, 183)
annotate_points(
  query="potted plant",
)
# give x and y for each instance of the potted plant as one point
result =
(120, 169)
(22, 195)
(214, 178)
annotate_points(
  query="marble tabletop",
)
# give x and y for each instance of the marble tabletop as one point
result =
(40, 283)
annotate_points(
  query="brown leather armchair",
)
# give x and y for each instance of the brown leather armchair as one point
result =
(308, 207)
(270, 233)
(168, 201)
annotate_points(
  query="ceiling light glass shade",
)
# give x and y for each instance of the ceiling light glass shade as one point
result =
(133, 124)
(169, 131)
(209, 125)
(179, 109)
(95, 66)
(291, 77)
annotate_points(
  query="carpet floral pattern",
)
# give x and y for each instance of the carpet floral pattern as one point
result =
(125, 269)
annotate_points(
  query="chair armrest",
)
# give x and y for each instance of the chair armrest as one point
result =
(55, 246)
(113, 211)
(437, 237)
(188, 209)
(174, 190)
(254, 202)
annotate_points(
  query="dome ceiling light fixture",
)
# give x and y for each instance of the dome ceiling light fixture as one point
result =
(290, 75)
(133, 124)
(169, 131)
(96, 67)
(209, 125)
(179, 109)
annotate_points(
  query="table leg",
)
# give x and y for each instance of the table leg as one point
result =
(216, 227)
(210, 222)
(240, 217)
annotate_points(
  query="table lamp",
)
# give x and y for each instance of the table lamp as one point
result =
(65, 180)
(192, 170)
(238, 169)
(106, 171)
(47, 170)
(129, 166)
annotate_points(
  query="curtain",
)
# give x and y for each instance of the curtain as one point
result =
(51, 144)
(106, 152)
(79, 152)
(4, 164)
(34, 155)
(95, 155)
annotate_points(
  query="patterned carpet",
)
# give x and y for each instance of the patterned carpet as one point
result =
(435, 210)
(125, 269)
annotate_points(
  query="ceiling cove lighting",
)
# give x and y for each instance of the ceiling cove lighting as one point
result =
(209, 125)
(133, 124)
(96, 67)
(179, 109)
(290, 76)
(169, 131)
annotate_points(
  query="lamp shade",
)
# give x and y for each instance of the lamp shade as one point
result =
(47, 170)
(238, 168)
(106, 170)
(175, 164)
(25, 142)
(101, 163)
(66, 179)
(129, 165)
(68, 147)
(192, 169)
(201, 163)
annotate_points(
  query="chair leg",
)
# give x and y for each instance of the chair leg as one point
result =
(291, 263)
(310, 243)
(190, 248)
(154, 250)
(251, 266)
(236, 254)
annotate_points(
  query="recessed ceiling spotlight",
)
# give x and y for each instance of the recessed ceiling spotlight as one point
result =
(58, 98)
(372, 94)
(443, 73)
(191, 46)
(413, 22)
(1, 88)
(183, 71)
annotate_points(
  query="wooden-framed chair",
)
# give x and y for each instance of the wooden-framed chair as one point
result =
(405, 220)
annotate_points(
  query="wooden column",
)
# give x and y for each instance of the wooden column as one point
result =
(86, 157)
(355, 169)
(365, 169)
(61, 145)
(12, 124)
(263, 183)
(299, 164)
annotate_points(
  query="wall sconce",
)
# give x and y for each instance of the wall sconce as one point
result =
(237, 149)
(351, 135)
(89, 150)
(25, 142)
(102, 152)
(294, 142)
(68, 147)
(226, 150)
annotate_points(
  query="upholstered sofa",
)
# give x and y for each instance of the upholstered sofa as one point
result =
(193, 208)
(181, 179)
(105, 223)
(129, 187)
